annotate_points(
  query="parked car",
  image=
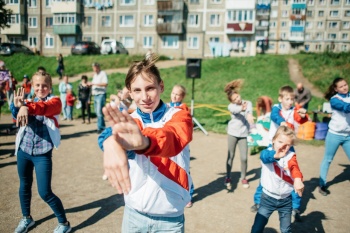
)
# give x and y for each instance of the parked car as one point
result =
(109, 46)
(85, 47)
(11, 48)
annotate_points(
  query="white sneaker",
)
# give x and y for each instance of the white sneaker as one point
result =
(104, 177)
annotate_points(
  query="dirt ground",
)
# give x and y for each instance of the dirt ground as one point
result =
(92, 205)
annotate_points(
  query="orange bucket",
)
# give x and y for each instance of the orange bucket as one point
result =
(306, 131)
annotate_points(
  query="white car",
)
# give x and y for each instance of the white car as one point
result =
(109, 46)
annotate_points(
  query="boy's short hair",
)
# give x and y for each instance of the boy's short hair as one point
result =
(285, 130)
(286, 90)
(146, 68)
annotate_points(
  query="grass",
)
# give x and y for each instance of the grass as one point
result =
(262, 74)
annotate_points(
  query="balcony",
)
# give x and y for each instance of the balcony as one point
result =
(297, 17)
(16, 8)
(263, 6)
(65, 7)
(66, 29)
(170, 28)
(298, 5)
(240, 28)
(297, 28)
(14, 29)
(175, 5)
(261, 28)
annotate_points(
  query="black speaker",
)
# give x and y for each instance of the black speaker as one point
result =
(193, 67)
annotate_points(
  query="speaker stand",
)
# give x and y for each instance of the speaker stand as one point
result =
(192, 112)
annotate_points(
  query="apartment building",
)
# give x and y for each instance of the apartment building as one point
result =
(182, 28)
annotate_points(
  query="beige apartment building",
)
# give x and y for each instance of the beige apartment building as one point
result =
(182, 28)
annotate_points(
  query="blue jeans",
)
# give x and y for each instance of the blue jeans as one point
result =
(296, 199)
(267, 206)
(99, 103)
(64, 105)
(134, 221)
(332, 143)
(69, 112)
(43, 170)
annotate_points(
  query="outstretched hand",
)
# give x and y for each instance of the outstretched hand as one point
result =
(18, 99)
(124, 129)
(115, 163)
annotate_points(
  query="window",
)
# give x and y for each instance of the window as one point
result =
(193, 42)
(214, 20)
(347, 2)
(307, 36)
(307, 25)
(193, 20)
(332, 24)
(68, 41)
(310, 2)
(344, 36)
(332, 36)
(318, 47)
(127, 2)
(126, 21)
(32, 22)
(239, 43)
(320, 13)
(309, 13)
(16, 40)
(240, 15)
(215, 1)
(32, 3)
(282, 46)
(214, 39)
(106, 21)
(48, 41)
(284, 24)
(299, 23)
(49, 22)
(322, 2)
(148, 20)
(347, 13)
(147, 41)
(32, 41)
(88, 21)
(148, 2)
(171, 42)
(296, 34)
(346, 25)
(11, 2)
(128, 41)
(272, 35)
(296, 11)
(272, 24)
(87, 38)
(65, 19)
(334, 13)
(48, 3)
(14, 19)
(344, 47)
(283, 35)
(320, 24)
(335, 2)
(284, 13)
(194, 1)
(319, 36)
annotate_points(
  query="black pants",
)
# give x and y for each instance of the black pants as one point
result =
(85, 106)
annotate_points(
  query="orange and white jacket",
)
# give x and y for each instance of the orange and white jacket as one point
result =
(277, 176)
(160, 178)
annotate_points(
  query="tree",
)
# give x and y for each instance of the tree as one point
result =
(4, 15)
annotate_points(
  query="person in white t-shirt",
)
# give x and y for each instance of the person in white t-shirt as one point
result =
(99, 87)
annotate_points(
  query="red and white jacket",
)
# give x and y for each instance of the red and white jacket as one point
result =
(160, 179)
(277, 176)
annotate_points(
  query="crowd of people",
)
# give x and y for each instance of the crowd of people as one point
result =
(146, 153)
